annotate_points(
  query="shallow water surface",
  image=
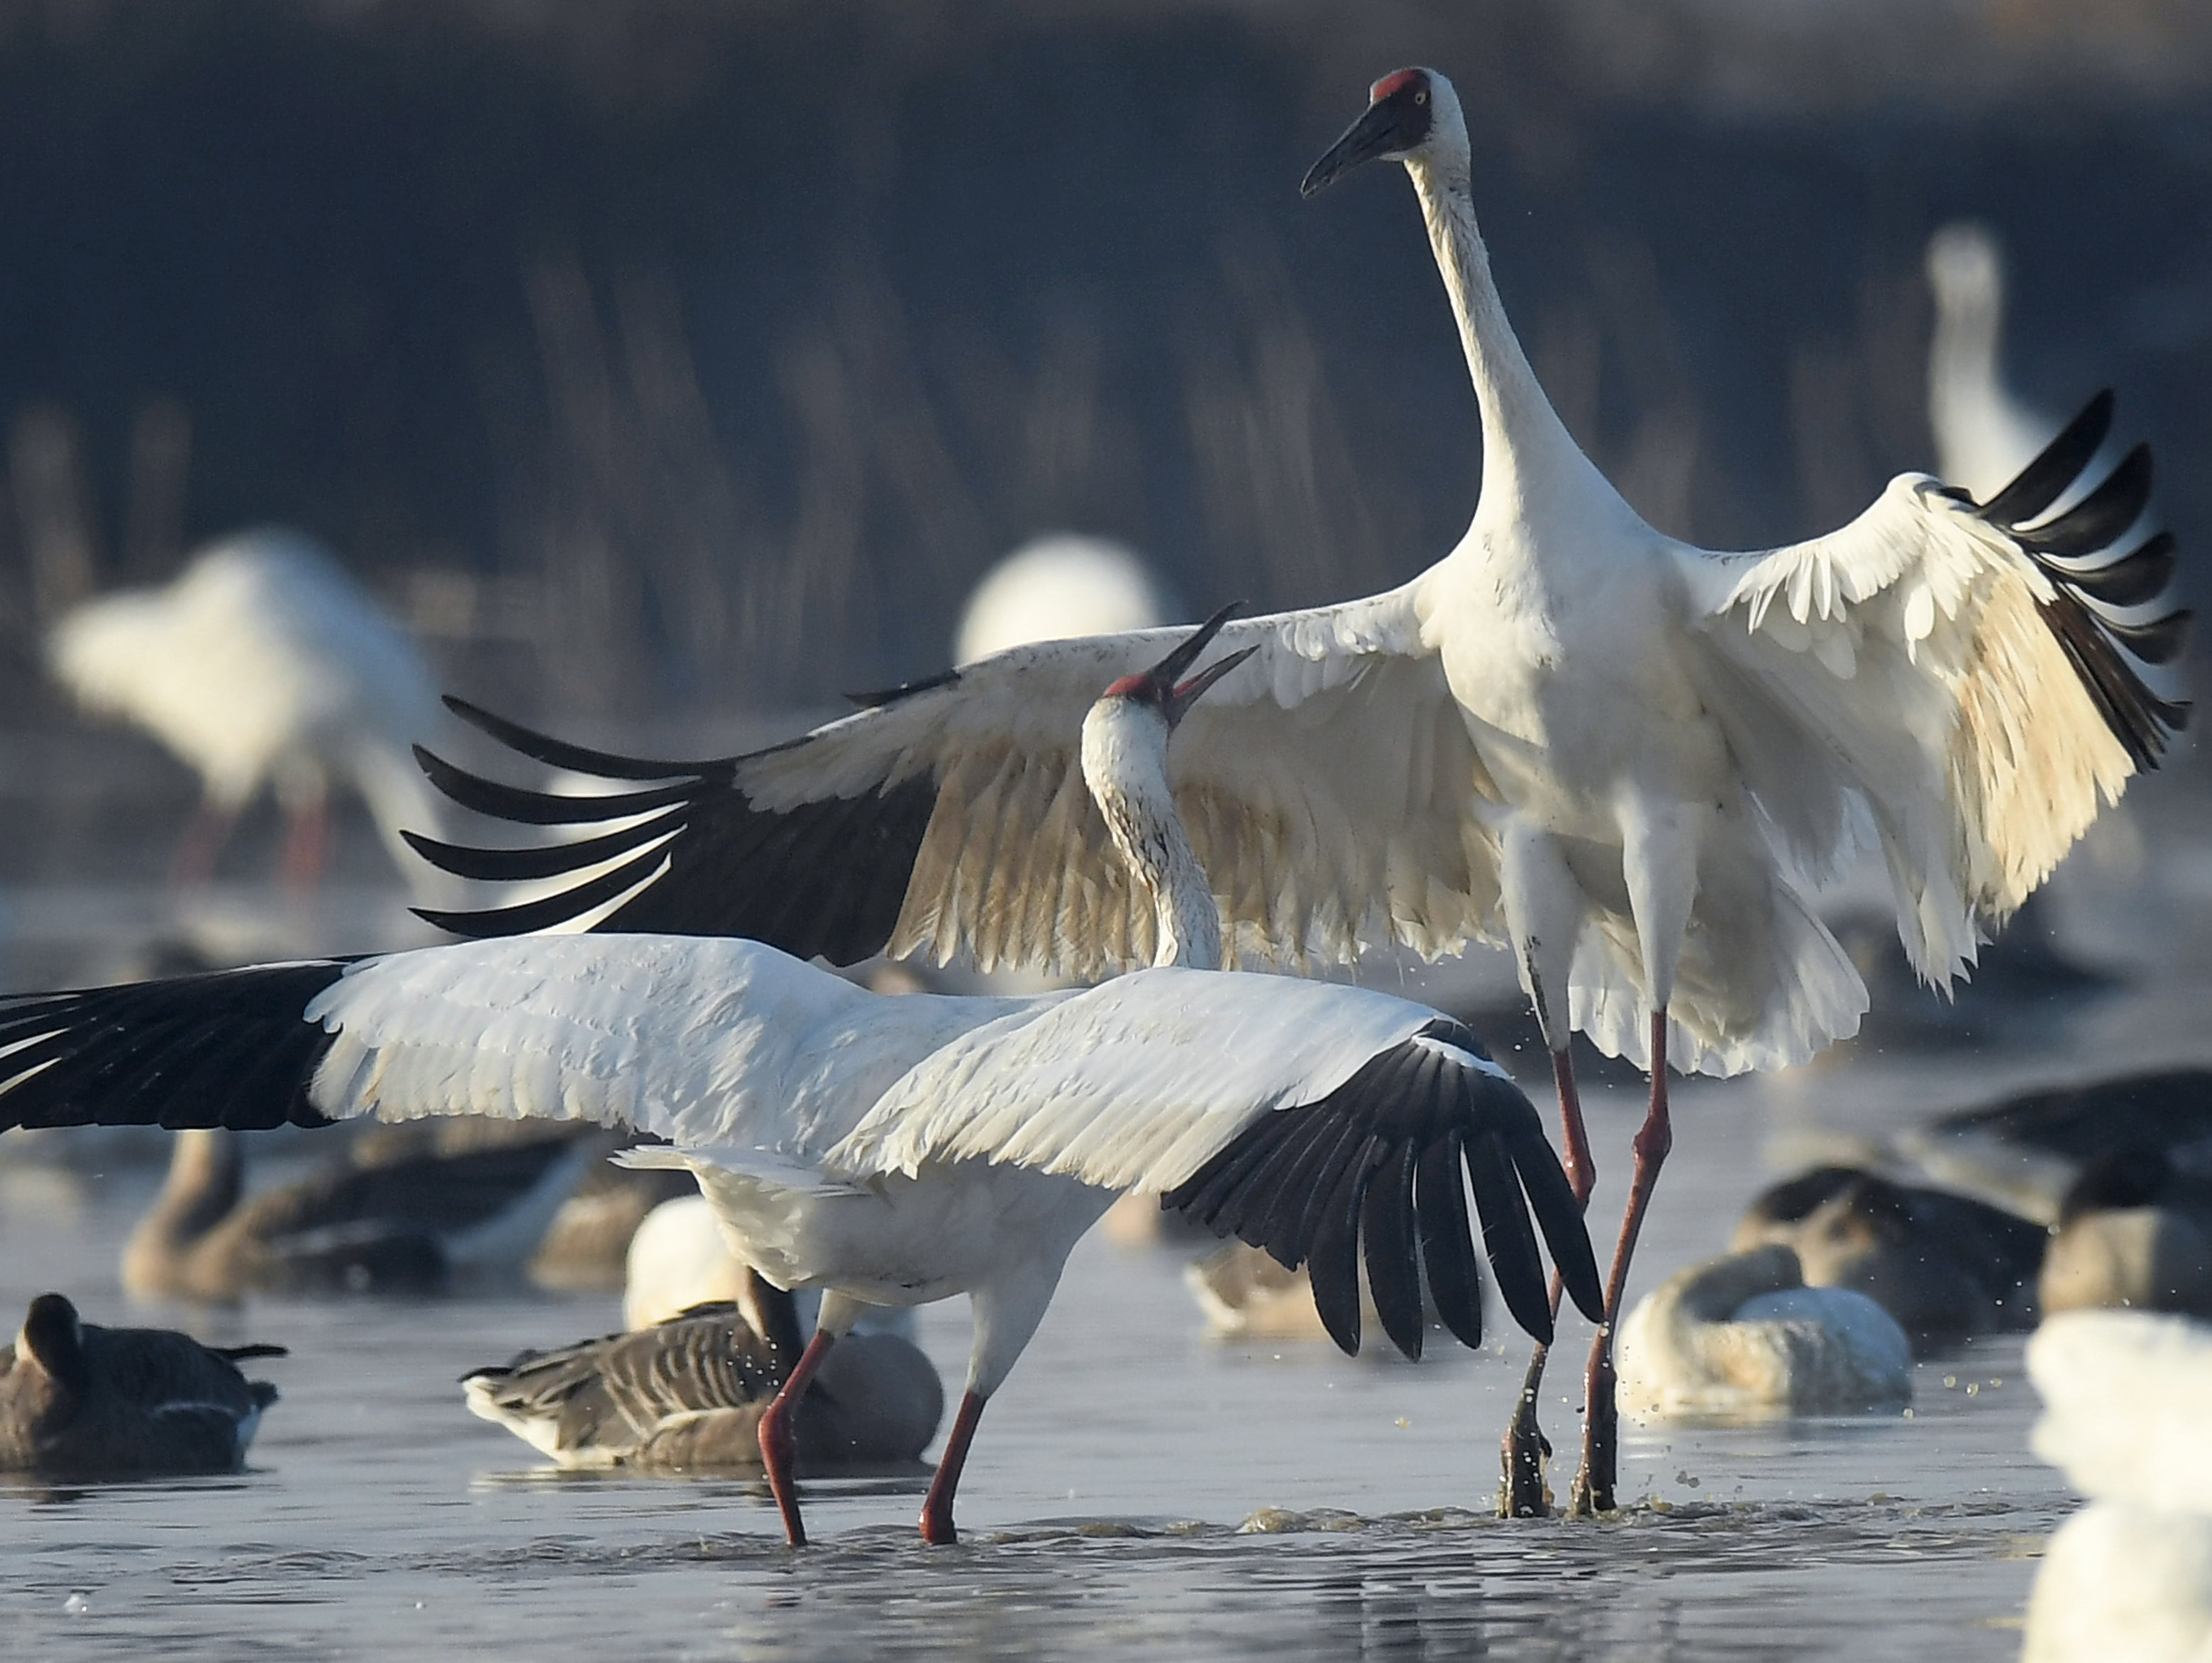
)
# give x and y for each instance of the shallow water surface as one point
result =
(1136, 1490)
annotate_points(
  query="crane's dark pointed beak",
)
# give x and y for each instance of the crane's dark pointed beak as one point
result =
(1176, 697)
(1385, 129)
(1184, 696)
(1163, 673)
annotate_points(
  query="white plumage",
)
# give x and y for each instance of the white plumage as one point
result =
(1983, 434)
(2130, 1575)
(264, 665)
(1744, 1336)
(893, 1150)
(1054, 587)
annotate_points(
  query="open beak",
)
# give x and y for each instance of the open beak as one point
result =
(1383, 131)
(1184, 696)
(1178, 696)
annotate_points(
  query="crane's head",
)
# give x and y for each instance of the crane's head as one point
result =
(1158, 688)
(1411, 114)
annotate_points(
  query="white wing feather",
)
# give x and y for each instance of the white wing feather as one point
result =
(1902, 663)
(710, 1043)
(1325, 785)
(1131, 1085)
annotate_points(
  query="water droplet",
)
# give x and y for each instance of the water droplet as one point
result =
(76, 1604)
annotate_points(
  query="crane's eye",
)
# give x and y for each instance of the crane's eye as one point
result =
(1422, 96)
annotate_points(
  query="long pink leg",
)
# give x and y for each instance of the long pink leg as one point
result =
(779, 1438)
(1594, 1483)
(937, 1511)
(306, 843)
(1523, 1450)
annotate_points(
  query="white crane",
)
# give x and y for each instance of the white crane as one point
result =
(894, 1150)
(1625, 756)
(1984, 435)
(264, 665)
(1058, 586)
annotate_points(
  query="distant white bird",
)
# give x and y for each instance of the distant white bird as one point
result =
(679, 1258)
(1744, 1336)
(897, 1150)
(81, 1401)
(2129, 1575)
(1627, 757)
(1053, 588)
(264, 665)
(1984, 435)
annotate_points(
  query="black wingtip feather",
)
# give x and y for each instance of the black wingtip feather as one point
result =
(225, 1048)
(2100, 518)
(2044, 480)
(1393, 1257)
(2106, 653)
(1447, 1245)
(580, 759)
(1421, 1121)
(2141, 575)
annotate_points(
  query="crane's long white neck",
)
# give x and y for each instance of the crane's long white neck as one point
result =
(1528, 454)
(1125, 764)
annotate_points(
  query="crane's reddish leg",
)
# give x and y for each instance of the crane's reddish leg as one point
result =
(204, 836)
(1594, 1483)
(307, 843)
(779, 1438)
(937, 1511)
(1525, 1448)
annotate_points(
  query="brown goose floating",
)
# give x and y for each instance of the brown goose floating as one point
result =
(81, 1401)
(687, 1394)
(409, 1225)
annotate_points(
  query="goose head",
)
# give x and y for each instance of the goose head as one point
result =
(1413, 116)
(52, 1338)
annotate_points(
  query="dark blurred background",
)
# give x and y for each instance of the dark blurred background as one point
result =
(702, 354)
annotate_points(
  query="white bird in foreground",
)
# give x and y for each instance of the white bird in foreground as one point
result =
(264, 665)
(1626, 756)
(888, 1151)
(2130, 1575)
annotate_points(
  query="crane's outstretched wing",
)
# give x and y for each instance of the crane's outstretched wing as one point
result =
(1303, 1117)
(1325, 785)
(1977, 676)
(698, 1042)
